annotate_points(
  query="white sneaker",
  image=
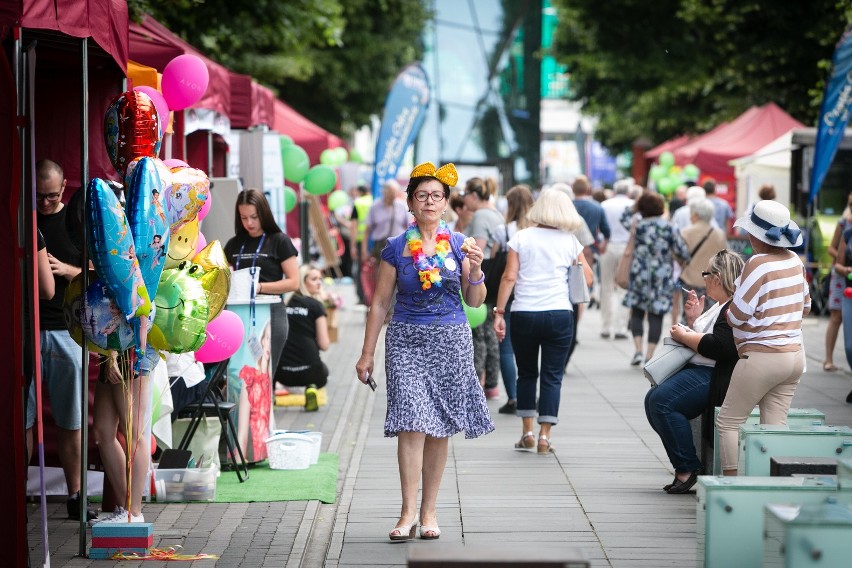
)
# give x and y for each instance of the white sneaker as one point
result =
(119, 516)
(638, 359)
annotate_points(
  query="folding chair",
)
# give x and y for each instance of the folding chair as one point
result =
(210, 405)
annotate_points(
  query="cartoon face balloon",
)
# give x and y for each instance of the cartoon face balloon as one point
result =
(113, 251)
(182, 311)
(131, 129)
(214, 275)
(183, 243)
(187, 194)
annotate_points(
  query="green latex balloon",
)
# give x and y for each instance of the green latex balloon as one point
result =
(692, 172)
(340, 155)
(285, 140)
(337, 199)
(667, 160)
(290, 199)
(657, 173)
(355, 156)
(296, 163)
(475, 316)
(327, 157)
(320, 180)
(182, 310)
(667, 185)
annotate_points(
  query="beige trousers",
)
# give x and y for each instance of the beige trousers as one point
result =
(764, 379)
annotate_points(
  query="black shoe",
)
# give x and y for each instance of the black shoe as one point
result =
(680, 487)
(849, 397)
(73, 507)
(510, 407)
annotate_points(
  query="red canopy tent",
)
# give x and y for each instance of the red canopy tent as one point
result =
(755, 128)
(667, 146)
(314, 139)
(57, 91)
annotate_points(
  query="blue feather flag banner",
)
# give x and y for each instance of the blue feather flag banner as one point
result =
(834, 113)
(405, 111)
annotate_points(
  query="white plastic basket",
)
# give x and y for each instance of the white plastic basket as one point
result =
(316, 437)
(289, 451)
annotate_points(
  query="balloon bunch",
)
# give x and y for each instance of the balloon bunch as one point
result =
(668, 177)
(317, 180)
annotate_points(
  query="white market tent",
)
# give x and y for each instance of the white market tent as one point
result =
(768, 165)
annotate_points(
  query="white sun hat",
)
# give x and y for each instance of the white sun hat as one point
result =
(769, 221)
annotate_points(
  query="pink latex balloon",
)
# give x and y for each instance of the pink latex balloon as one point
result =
(184, 81)
(205, 209)
(225, 334)
(202, 242)
(159, 103)
(175, 163)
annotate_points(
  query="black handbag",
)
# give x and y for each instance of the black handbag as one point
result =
(493, 269)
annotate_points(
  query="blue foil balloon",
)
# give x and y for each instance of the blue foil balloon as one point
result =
(113, 252)
(102, 320)
(148, 222)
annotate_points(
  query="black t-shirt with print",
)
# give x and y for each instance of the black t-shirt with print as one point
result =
(276, 248)
(301, 348)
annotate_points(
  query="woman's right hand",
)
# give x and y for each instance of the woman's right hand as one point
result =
(364, 368)
(499, 327)
(112, 372)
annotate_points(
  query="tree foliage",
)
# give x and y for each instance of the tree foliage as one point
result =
(333, 60)
(668, 67)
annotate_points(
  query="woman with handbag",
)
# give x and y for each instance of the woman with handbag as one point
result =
(537, 270)
(701, 385)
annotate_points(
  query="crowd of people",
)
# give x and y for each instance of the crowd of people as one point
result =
(421, 255)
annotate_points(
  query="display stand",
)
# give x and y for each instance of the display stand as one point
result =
(250, 378)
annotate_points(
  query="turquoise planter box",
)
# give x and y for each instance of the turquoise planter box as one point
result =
(729, 514)
(795, 417)
(759, 443)
(799, 536)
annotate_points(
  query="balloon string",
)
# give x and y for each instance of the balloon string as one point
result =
(168, 554)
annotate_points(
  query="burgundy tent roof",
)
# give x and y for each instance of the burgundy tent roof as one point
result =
(755, 128)
(152, 44)
(263, 105)
(105, 21)
(667, 146)
(252, 104)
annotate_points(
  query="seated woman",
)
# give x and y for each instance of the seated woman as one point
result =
(301, 365)
(702, 384)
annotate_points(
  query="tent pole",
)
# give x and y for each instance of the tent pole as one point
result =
(209, 153)
(84, 394)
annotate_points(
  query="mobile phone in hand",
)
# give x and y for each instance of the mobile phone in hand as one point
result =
(371, 382)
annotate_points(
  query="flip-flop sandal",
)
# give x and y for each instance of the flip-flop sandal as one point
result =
(829, 367)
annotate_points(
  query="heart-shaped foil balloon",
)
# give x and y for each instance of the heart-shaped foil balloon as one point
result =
(131, 129)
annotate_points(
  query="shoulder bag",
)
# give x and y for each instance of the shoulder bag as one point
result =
(671, 357)
(578, 286)
(622, 271)
(493, 269)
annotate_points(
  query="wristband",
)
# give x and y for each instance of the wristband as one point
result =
(498, 311)
(476, 282)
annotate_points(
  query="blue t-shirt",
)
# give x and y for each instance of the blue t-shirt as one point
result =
(437, 305)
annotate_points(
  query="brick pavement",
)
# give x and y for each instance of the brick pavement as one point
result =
(600, 492)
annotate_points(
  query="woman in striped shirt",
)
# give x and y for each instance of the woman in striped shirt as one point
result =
(766, 317)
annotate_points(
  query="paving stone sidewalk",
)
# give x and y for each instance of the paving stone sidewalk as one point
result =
(600, 492)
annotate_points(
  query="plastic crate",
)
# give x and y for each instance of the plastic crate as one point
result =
(186, 484)
(290, 451)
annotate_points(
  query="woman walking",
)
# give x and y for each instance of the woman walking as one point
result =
(433, 388)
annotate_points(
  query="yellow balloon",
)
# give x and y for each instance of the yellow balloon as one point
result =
(157, 339)
(215, 276)
(184, 239)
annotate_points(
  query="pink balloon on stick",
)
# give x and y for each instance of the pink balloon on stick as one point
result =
(175, 163)
(159, 103)
(202, 242)
(225, 334)
(184, 81)
(206, 208)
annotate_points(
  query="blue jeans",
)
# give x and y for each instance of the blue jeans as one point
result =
(507, 361)
(669, 408)
(547, 333)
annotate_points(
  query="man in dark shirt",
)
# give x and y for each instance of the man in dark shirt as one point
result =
(593, 214)
(61, 357)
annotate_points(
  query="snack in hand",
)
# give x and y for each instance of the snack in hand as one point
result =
(468, 242)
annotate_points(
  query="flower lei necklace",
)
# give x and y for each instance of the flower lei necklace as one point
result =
(428, 268)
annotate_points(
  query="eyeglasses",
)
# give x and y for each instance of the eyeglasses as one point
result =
(422, 196)
(706, 274)
(51, 197)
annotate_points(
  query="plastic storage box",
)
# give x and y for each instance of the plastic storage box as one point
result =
(186, 484)
(290, 451)
(729, 513)
(315, 437)
(795, 417)
(797, 536)
(759, 443)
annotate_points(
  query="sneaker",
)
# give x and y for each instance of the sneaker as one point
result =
(311, 402)
(510, 407)
(604, 335)
(73, 507)
(120, 515)
(492, 392)
(621, 336)
(637, 359)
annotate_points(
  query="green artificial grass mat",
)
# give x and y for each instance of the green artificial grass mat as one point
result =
(317, 483)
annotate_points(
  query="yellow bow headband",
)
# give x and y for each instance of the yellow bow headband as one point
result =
(446, 174)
